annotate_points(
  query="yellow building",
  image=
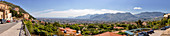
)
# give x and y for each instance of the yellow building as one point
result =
(4, 11)
(1, 15)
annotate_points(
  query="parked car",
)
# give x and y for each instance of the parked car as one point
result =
(143, 34)
(2, 21)
(164, 28)
(150, 32)
(140, 34)
(8, 21)
(167, 27)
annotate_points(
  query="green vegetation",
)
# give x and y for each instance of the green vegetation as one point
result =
(40, 29)
(91, 29)
(15, 14)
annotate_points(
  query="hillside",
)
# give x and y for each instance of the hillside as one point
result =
(20, 9)
(124, 16)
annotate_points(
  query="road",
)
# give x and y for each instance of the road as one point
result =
(10, 29)
(4, 27)
(157, 33)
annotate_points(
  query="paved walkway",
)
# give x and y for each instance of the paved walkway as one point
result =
(13, 31)
(157, 33)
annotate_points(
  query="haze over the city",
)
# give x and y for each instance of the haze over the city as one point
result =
(74, 8)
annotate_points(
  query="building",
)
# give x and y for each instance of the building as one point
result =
(118, 27)
(26, 16)
(166, 15)
(108, 34)
(68, 32)
(1, 15)
(144, 23)
(16, 9)
(5, 12)
(9, 17)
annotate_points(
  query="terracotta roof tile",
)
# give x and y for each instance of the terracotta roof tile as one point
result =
(108, 34)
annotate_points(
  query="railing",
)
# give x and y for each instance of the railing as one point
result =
(27, 32)
(20, 33)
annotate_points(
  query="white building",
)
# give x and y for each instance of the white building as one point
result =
(9, 16)
(166, 15)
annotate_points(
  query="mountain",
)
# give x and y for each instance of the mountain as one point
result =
(84, 17)
(20, 9)
(114, 17)
(123, 16)
(149, 14)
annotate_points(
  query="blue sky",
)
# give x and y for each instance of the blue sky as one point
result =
(73, 8)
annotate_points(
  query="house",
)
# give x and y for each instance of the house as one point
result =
(5, 12)
(16, 9)
(81, 25)
(9, 17)
(1, 15)
(26, 16)
(144, 23)
(166, 15)
(119, 27)
(68, 32)
(108, 34)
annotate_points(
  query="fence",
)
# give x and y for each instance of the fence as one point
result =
(26, 30)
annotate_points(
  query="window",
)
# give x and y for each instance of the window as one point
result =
(1, 16)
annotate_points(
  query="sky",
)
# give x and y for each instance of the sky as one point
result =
(74, 8)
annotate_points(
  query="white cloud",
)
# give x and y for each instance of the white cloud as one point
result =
(73, 12)
(137, 8)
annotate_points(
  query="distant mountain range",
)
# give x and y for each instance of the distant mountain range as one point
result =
(123, 16)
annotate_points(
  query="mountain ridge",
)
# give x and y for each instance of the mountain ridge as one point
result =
(124, 16)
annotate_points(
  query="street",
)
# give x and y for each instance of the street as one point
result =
(4, 27)
(10, 29)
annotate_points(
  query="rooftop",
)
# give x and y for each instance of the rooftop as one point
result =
(108, 34)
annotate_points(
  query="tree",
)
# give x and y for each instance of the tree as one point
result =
(139, 23)
(56, 24)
